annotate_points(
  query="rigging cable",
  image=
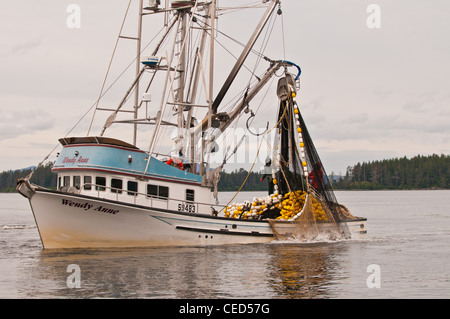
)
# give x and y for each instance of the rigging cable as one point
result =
(109, 67)
(254, 162)
(93, 105)
(265, 42)
(225, 48)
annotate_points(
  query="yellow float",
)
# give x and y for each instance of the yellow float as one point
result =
(289, 205)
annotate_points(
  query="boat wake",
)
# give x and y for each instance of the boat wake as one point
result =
(318, 239)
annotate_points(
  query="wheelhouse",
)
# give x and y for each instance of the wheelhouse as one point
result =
(114, 170)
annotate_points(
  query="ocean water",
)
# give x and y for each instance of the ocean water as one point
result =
(405, 255)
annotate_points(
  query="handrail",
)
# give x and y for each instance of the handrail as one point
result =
(134, 172)
(98, 188)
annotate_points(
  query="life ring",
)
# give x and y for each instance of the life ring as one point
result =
(177, 162)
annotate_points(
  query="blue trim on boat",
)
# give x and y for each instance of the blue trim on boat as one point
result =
(119, 160)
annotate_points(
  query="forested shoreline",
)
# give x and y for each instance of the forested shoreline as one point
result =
(419, 172)
(42, 176)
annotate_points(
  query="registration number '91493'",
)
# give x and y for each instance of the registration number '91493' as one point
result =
(187, 208)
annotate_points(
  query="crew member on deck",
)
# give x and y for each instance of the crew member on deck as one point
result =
(267, 173)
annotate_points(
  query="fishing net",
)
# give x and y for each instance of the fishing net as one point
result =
(301, 203)
(308, 200)
(318, 178)
(289, 175)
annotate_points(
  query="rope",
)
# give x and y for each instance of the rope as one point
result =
(93, 105)
(254, 162)
(109, 67)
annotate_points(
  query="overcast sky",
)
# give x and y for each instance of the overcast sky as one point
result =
(366, 93)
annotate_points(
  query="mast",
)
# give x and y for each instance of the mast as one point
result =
(211, 59)
(138, 64)
(170, 79)
(179, 98)
(196, 70)
(212, 12)
(194, 79)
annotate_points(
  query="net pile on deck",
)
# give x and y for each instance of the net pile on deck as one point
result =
(280, 207)
(296, 172)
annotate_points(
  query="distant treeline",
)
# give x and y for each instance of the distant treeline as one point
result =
(419, 172)
(234, 180)
(42, 176)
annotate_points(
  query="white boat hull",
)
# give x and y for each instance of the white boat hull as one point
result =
(77, 221)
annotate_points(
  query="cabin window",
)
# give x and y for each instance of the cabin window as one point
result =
(132, 188)
(100, 183)
(87, 180)
(152, 190)
(163, 192)
(77, 182)
(157, 191)
(59, 182)
(66, 181)
(190, 195)
(116, 185)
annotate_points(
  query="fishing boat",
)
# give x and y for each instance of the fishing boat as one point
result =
(111, 192)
